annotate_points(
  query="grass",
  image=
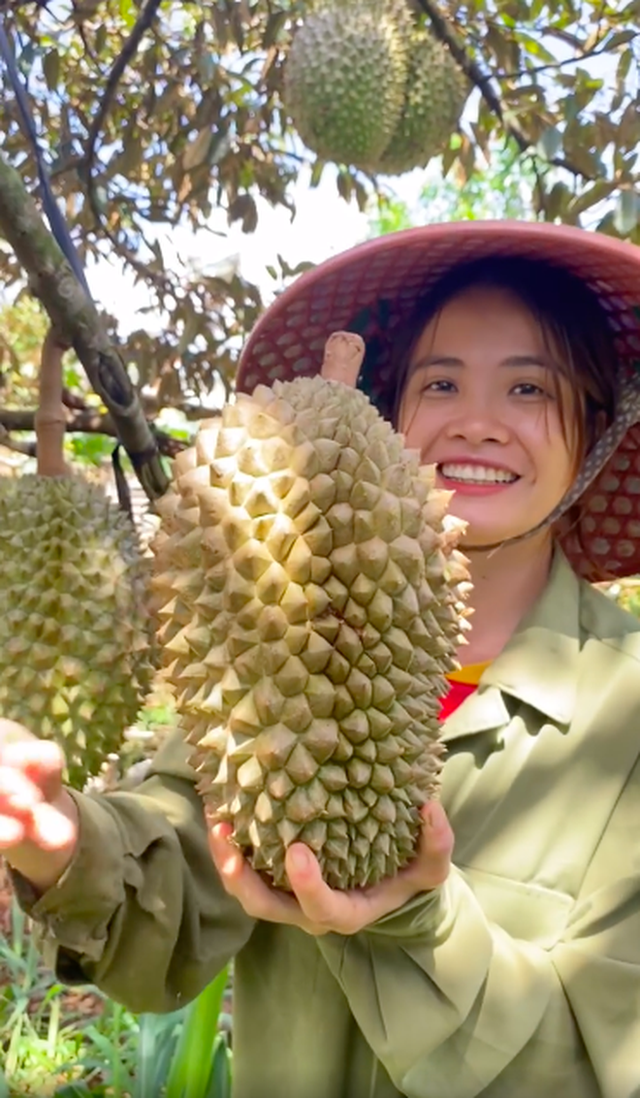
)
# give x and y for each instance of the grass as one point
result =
(57, 1042)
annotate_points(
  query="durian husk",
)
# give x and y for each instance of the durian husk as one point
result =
(368, 87)
(76, 636)
(436, 92)
(77, 652)
(345, 75)
(311, 600)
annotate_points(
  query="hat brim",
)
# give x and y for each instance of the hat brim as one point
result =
(373, 287)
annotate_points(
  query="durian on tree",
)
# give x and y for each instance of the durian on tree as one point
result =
(77, 645)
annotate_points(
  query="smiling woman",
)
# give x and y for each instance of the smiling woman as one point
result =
(568, 337)
(504, 375)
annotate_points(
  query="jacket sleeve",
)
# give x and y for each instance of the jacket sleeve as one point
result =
(140, 912)
(450, 1003)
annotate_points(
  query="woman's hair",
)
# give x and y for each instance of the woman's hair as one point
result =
(575, 328)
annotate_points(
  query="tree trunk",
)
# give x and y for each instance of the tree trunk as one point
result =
(75, 316)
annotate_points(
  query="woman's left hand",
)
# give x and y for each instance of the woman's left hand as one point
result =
(318, 909)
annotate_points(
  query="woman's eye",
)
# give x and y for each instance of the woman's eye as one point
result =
(527, 388)
(441, 385)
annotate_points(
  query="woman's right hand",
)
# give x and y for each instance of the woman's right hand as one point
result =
(38, 817)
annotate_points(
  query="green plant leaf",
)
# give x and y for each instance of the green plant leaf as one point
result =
(191, 1064)
(220, 1078)
(625, 216)
(157, 1040)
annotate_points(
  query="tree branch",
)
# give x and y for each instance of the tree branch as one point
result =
(86, 164)
(76, 318)
(88, 422)
(26, 448)
(127, 53)
(595, 51)
(483, 82)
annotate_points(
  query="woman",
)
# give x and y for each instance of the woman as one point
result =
(513, 967)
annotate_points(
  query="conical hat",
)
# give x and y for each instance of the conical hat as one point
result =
(373, 288)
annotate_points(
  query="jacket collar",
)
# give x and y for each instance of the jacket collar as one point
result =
(538, 666)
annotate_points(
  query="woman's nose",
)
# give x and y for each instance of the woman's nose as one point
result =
(478, 423)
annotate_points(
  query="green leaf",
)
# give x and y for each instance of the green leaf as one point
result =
(275, 24)
(550, 143)
(598, 191)
(197, 152)
(92, 449)
(157, 1040)
(220, 1079)
(344, 183)
(51, 69)
(316, 172)
(128, 13)
(191, 1064)
(101, 39)
(620, 38)
(625, 216)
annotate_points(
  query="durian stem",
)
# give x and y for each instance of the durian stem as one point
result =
(50, 419)
(343, 355)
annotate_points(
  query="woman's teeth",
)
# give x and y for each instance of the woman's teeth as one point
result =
(477, 474)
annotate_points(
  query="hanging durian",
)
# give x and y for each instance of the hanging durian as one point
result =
(76, 636)
(345, 78)
(367, 86)
(308, 590)
(436, 92)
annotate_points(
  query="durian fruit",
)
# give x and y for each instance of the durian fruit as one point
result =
(436, 92)
(368, 87)
(308, 589)
(345, 78)
(76, 636)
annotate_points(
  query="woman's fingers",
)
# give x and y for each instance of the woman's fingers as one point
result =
(30, 778)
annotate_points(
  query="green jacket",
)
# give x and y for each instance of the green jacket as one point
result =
(520, 978)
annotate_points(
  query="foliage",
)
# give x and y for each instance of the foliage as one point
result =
(55, 1044)
(627, 594)
(158, 115)
(502, 186)
(23, 326)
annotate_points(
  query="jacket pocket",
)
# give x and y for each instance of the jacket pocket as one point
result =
(526, 911)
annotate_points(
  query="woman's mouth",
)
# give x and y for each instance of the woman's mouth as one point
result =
(474, 479)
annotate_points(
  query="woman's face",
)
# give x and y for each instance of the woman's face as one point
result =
(480, 404)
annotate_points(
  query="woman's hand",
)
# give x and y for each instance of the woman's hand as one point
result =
(38, 820)
(318, 909)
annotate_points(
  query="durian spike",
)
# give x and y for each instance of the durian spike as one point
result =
(50, 419)
(343, 355)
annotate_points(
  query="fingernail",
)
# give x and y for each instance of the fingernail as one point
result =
(299, 856)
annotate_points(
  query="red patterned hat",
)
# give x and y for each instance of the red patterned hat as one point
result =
(373, 288)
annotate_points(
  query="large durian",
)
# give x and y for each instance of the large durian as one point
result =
(345, 78)
(76, 635)
(308, 590)
(367, 86)
(436, 92)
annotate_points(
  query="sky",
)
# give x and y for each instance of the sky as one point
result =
(324, 225)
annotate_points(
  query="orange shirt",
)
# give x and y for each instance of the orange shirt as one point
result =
(462, 683)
